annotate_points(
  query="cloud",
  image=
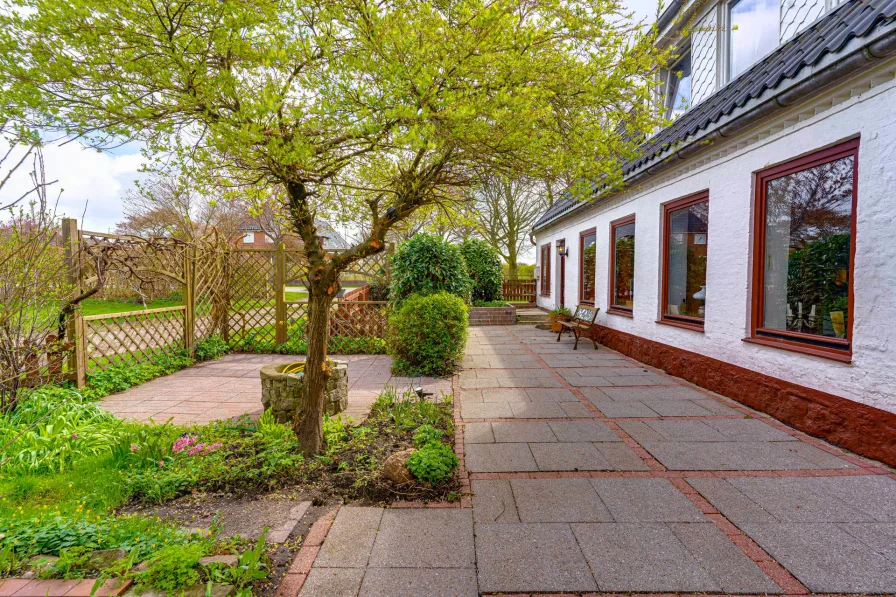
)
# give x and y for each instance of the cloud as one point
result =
(87, 178)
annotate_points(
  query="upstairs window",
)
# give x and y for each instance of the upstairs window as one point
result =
(753, 31)
(678, 87)
(546, 269)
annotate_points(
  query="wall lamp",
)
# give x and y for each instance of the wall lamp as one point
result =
(562, 251)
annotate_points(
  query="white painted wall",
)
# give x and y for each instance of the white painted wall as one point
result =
(871, 113)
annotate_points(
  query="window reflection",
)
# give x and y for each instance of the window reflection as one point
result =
(624, 266)
(755, 31)
(589, 266)
(686, 276)
(678, 88)
(807, 248)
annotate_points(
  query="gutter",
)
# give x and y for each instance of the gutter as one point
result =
(818, 78)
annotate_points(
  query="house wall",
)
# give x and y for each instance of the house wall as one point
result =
(728, 174)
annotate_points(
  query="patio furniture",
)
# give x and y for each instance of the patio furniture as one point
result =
(580, 324)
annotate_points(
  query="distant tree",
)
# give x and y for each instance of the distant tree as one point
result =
(367, 108)
(503, 211)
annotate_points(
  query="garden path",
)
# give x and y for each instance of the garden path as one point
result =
(230, 387)
(594, 474)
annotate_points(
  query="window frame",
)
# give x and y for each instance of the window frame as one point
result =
(611, 307)
(545, 282)
(837, 349)
(724, 54)
(582, 236)
(683, 321)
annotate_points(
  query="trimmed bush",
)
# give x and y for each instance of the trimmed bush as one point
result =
(427, 334)
(426, 264)
(433, 463)
(484, 268)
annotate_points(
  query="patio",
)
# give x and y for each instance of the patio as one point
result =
(591, 474)
(230, 387)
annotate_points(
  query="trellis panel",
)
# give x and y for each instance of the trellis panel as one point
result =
(132, 337)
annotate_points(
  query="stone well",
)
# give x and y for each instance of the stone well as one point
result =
(280, 392)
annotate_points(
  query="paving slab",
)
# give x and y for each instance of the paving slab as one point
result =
(645, 500)
(539, 410)
(493, 501)
(739, 456)
(523, 431)
(583, 431)
(530, 557)
(486, 410)
(797, 500)
(558, 500)
(332, 582)
(350, 539)
(495, 458)
(424, 538)
(620, 456)
(478, 433)
(419, 582)
(572, 456)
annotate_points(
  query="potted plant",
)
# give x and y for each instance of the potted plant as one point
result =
(556, 316)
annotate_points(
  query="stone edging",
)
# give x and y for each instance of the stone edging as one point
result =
(28, 587)
(292, 581)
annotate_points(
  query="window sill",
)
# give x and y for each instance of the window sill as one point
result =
(833, 355)
(681, 324)
(542, 295)
(620, 312)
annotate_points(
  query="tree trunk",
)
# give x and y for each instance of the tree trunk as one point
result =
(308, 424)
(513, 268)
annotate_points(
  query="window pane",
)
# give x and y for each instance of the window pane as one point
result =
(624, 265)
(754, 32)
(589, 265)
(678, 95)
(807, 247)
(688, 238)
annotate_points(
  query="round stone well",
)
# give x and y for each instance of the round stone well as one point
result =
(281, 392)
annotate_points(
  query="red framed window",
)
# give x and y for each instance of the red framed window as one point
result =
(546, 269)
(587, 265)
(622, 266)
(804, 251)
(685, 243)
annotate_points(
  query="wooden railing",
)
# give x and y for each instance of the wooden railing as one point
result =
(519, 291)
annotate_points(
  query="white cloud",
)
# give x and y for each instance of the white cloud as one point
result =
(88, 178)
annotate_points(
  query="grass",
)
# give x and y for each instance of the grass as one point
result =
(105, 307)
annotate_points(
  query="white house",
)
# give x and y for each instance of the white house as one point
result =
(753, 250)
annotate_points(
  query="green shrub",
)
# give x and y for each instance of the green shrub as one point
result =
(489, 303)
(426, 434)
(426, 264)
(427, 334)
(173, 567)
(484, 268)
(433, 463)
(211, 348)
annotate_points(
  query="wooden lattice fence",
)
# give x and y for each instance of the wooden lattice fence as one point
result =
(240, 294)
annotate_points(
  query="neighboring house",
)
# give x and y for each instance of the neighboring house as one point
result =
(765, 261)
(251, 236)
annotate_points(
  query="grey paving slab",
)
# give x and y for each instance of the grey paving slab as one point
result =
(558, 500)
(478, 433)
(677, 408)
(873, 495)
(523, 431)
(426, 538)
(538, 410)
(649, 394)
(493, 501)
(645, 500)
(614, 410)
(826, 558)
(530, 557)
(583, 431)
(332, 582)
(716, 407)
(505, 395)
(879, 536)
(724, 561)
(746, 456)
(575, 409)
(620, 456)
(683, 431)
(496, 458)
(794, 500)
(641, 557)
(736, 506)
(573, 456)
(350, 539)
(419, 582)
(551, 394)
(491, 410)
(744, 430)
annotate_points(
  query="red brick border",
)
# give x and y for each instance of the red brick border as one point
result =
(27, 587)
(863, 429)
(292, 581)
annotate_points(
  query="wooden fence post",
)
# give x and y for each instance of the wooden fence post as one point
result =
(189, 299)
(77, 362)
(225, 269)
(280, 294)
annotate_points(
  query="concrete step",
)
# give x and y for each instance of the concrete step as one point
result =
(531, 315)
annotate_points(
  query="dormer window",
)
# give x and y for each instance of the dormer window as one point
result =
(753, 32)
(678, 87)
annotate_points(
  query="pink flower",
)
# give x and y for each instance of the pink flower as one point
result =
(182, 443)
(74, 436)
(134, 447)
(161, 463)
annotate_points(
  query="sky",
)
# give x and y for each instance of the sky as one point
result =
(93, 183)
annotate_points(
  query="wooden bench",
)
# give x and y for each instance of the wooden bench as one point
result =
(580, 324)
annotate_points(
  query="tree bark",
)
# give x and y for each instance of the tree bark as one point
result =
(308, 423)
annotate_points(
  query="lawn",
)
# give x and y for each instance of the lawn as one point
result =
(106, 307)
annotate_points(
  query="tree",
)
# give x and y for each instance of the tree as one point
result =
(503, 211)
(374, 108)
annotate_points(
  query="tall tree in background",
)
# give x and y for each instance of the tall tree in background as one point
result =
(371, 108)
(503, 211)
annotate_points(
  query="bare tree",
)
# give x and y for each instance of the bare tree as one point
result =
(503, 212)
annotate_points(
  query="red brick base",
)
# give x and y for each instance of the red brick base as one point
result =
(863, 429)
(493, 315)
